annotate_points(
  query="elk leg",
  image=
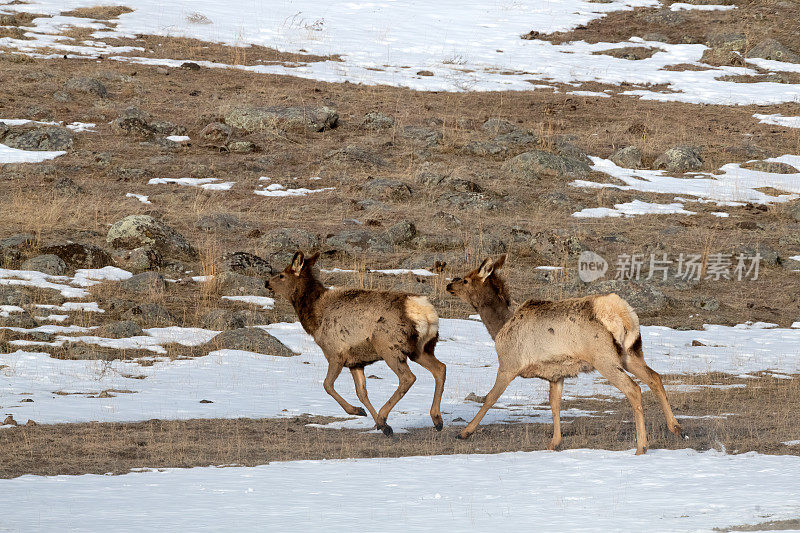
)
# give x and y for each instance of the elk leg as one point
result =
(556, 387)
(636, 366)
(617, 377)
(407, 378)
(439, 371)
(334, 369)
(361, 390)
(500, 385)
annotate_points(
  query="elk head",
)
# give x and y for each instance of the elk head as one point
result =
(481, 285)
(296, 279)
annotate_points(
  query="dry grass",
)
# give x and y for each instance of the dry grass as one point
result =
(98, 12)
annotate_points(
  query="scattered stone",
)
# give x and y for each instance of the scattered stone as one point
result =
(774, 50)
(215, 134)
(13, 296)
(190, 65)
(222, 319)
(516, 138)
(356, 154)
(219, 222)
(377, 121)
(119, 329)
(496, 126)
(206, 401)
(87, 86)
(424, 73)
(697, 343)
(133, 121)
(150, 314)
(134, 231)
(403, 231)
(251, 340)
(9, 421)
(247, 264)
(18, 320)
(235, 284)
(143, 258)
(536, 164)
(420, 133)
(486, 244)
(627, 157)
(281, 244)
(387, 189)
(359, 241)
(241, 147)
(679, 159)
(472, 200)
(472, 397)
(47, 263)
(66, 187)
(484, 148)
(281, 117)
(145, 283)
(631, 53)
(77, 255)
(446, 220)
(706, 303)
(50, 138)
(30, 422)
(734, 42)
(770, 166)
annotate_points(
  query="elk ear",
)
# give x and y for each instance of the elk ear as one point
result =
(297, 262)
(498, 264)
(311, 260)
(486, 269)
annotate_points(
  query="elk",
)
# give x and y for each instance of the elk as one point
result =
(553, 340)
(355, 328)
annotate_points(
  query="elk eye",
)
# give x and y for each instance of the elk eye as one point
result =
(464, 282)
(281, 276)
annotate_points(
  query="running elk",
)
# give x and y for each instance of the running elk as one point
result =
(553, 340)
(357, 327)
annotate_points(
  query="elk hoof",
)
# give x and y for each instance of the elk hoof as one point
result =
(360, 411)
(641, 451)
(463, 436)
(684, 435)
(387, 430)
(439, 425)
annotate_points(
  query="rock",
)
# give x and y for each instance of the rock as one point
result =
(359, 241)
(18, 320)
(251, 340)
(281, 244)
(150, 314)
(387, 189)
(66, 187)
(47, 263)
(215, 134)
(219, 222)
(190, 65)
(665, 16)
(516, 138)
(403, 231)
(439, 242)
(145, 283)
(446, 220)
(120, 329)
(86, 85)
(484, 148)
(247, 264)
(627, 157)
(472, 397)
(134, 231)
(430, 178)
(496, 126)
(420, 133)
(77, 255)
(734, 42)
(462, 185)
(235, 284)
(486, 244)
(12, 296)
(472, 200)
(536, 164)
(143, 258)
(241, 147)
(50, 138)
(720, 57)
(679, 159)
(133, 121)
(9, 421)
(792, 210)
(356, 154)
(164, 127)
(706, 303)
(282, 117)
(774, 50)
(222, 319)
(377, 121)
(770, 166)
(643, 297)
(424, 73)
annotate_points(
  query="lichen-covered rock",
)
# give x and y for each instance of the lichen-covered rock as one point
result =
(87, 85)
(47, 263)
(403, 231)
(773, 167)
(251, 340)
(536, 164)
(377, 121)
(50, 138)
(150, 315)
(247, 264)
(145, 283)
(215, 134)
(280, 244)
(774, 50)
(134, 231)
(627, 157)
(119, 329)
(78, 255)
(497, 126)
(219, 222)
(277, 118)
(387, 189)
(359, 240)
(679, 159)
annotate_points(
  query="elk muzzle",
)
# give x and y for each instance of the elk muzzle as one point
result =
(449, 287)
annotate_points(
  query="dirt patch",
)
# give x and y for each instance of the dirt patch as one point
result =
(98, 12)
(733, 419)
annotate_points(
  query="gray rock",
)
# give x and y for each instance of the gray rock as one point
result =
(241, 147)
(235, 284)
(251, 340)
(439, 242)
(643, 297)
(377, 121)
(446, 220)
(420, 133)
(163, 127)
(484, 148)
(472, 200)
(430, 178)
(359, 241)
(679, 159)
(403, 231)
(149, 315)
(144, 258)
(387, 189)
(219, 222)
(706, 303)
(281, 244)
(66, 187)
(627, 157)
(120, 329)
(774, 50)
(222, 319)
(733, 42)
(536, 164)
(51, 138)
(793, 210)
(133, 121)
(356, 154)
(770, 166)
(487, 244)
(215, 134)
(18, 320)
(48, 263)
(145, 283)
(496, 126)
(134, 231)
(516, 138)
(13, 296)
(281, 117)
(87, 85)
(247, 264)
(77, 255)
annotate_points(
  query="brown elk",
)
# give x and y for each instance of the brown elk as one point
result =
(356, 327)
(553, 340)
